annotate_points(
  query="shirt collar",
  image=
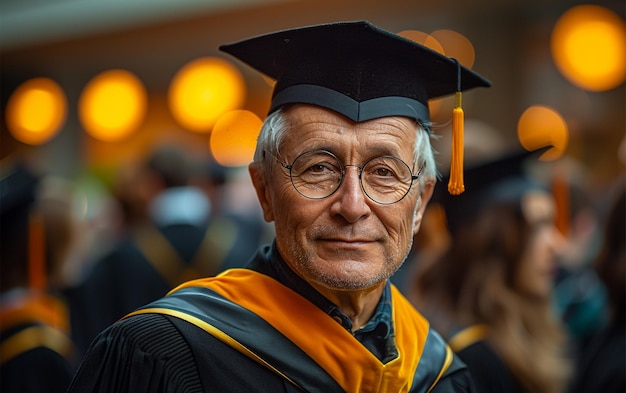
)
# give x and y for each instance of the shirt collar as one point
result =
(381, 322)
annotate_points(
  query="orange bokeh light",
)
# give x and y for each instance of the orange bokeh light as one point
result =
(233, 139)
(36, 111)
(541, 126)
(588, 46)
(113, 105)
(456, 45)
(203, 90)
(422, 38)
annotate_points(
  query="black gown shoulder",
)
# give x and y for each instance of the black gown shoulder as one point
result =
(158, 353)
(488, 371)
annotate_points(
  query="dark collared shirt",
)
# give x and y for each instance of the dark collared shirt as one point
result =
(376, 335)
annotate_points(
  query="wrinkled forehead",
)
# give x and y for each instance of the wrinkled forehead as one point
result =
(305, 123)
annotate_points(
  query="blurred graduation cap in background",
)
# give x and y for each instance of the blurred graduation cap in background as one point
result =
(357, 70)
(501, 179)
(18, 191)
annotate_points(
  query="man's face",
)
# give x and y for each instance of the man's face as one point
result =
(345, 241)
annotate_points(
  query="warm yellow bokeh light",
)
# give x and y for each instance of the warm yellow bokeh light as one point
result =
(36, 111)
(589, 47)
(448, 43)
(234, 136)
(203, 90)
(434, 107)
(541, 126)
(456, 45)
(113, 105)
(422, 38)
(269, 81)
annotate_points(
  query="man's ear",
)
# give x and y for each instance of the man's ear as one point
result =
(425, 194)
(259, 180)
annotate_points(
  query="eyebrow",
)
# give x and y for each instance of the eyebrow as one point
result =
(384, 150)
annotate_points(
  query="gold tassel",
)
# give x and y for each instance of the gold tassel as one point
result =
(455, 185)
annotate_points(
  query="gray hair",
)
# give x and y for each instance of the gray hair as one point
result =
(275, 126)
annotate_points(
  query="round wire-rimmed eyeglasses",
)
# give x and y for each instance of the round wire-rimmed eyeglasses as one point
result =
(318, 174)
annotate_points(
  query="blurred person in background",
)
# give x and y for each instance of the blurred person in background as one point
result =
(36, 235)
(490, 292)
(480, 142)
(168, 237)
(580, 297)
(601, 365)
(235, 212)
(344, 169)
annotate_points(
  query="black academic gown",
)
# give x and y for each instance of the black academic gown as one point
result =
(601, 364)
(36, 353)
(153, 352)
(489, 372)
(141, 268)
(39, 370)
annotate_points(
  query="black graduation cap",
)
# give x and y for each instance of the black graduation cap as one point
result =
(18, 188)
(501, 179)
(354, 68)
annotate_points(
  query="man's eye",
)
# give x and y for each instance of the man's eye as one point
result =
(383, 172)
(319, 168)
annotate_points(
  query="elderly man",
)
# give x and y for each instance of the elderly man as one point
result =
(344, 169)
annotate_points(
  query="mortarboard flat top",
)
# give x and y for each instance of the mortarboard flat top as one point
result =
(354, 68)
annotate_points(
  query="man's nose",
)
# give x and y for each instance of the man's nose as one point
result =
(351, 200)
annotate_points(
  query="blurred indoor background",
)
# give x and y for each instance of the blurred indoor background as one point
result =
(89, 86)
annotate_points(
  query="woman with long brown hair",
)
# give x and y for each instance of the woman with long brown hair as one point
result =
(490, 292)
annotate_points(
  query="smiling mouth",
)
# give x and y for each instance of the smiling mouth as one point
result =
(349, 238)
(348, 242)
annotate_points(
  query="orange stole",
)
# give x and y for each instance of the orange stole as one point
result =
(352, 365)
(51, 325)
(35, 306)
